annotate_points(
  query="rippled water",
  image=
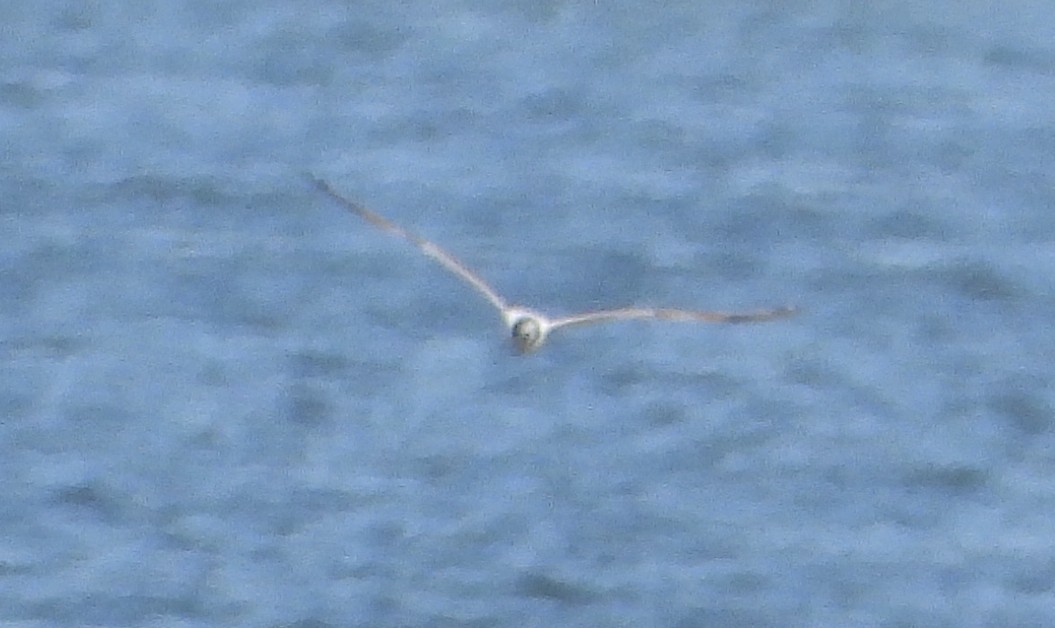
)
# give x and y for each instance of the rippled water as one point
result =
(226, 402)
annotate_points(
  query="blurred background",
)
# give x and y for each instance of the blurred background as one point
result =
(225, 401)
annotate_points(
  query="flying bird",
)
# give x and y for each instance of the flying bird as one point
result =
(530, 328)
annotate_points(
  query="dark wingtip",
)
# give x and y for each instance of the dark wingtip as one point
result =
(316, 181)
(768, 315)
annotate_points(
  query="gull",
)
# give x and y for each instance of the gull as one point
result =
(530, 328)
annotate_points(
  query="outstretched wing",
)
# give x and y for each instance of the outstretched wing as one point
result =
(668, 314)
(428, 248)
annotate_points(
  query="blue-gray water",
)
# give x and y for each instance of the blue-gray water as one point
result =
(227, 402)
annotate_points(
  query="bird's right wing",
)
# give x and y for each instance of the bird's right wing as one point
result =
(448, 261)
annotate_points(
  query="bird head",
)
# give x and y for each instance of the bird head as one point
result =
(528, 334)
